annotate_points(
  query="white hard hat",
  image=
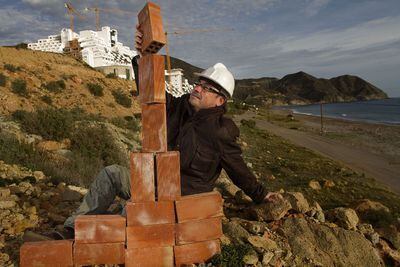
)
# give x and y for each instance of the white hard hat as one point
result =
(221, 76)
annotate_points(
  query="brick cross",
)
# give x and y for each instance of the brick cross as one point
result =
(161, 227)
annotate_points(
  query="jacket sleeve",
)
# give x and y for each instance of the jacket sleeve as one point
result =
(234, 165)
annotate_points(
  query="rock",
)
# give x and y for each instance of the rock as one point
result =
(262, 242)
(319, 216)
(64, 153)
(391, 234)
(242, 198)
(267, 257)
(367, 205)
(39, 175)
(4, 193)
(251, 258)
(70, 195)
(344, 217)
(314, 185)
(254, 227)
(329, 246)
(392, 254)
(225, 240)
(81, 190)
(328, 183)
(271, 177)
(235, 232)
(56, 217)
(271, 211)
(7, 204)
(297, 201)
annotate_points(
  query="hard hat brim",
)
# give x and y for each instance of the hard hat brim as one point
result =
(222, 91)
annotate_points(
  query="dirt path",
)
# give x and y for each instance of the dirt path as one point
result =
(357, 159)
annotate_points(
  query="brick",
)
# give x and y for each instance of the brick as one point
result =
(196, 231)
(168, 176)
(154, 128)
(142, 177)
(100, 253)
(150, 213)
(150, 257)
(46, 253)
(100, 229)
(199, 206)
(150, 23)
(196, 252)
(161, 235)
(151, 79)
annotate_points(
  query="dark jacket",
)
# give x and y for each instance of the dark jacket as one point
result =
(206, 141)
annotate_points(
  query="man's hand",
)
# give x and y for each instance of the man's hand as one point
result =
(272, 197)
(138, 40)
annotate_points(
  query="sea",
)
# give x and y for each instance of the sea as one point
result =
(385, 111)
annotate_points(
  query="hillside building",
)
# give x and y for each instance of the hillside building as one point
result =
(103, 51)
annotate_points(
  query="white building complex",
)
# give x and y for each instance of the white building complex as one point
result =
(103, 51)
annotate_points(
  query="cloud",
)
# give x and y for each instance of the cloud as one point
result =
(314, 6)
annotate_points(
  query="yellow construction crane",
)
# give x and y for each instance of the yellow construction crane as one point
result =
(97, 10)
(71, 11)
(181, 32)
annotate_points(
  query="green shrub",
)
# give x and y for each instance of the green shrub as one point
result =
(47, 99)
(111, 75)
(95, 89)
(55, 86)
(231, 255)
(18, 87)
(51, 123)
(3, 79)
(122, 98)
(248, 123)
(96, 142)
(127, 122)
(11, 67)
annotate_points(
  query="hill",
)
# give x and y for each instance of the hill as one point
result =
(35, 79)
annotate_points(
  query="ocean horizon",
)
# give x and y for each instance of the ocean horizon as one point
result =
(383, 111)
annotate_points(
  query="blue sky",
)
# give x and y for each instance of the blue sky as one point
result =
(271, 38)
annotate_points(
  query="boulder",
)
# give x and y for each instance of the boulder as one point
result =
(262, 242)
(391, 234)
(242, 198)
(328, 183)
(297, 201)
(267, 257)
(235, 232)
(251, 258)
(271, 211)
(329, 246)
(344, 217)
(314, 185)
(367, 205)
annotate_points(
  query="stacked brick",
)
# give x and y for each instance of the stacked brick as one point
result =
(161, 228)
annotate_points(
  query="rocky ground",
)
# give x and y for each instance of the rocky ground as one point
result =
(292, 232)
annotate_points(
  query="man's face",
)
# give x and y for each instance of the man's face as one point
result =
(202, 97)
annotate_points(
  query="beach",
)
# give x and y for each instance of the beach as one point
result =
(369, 148)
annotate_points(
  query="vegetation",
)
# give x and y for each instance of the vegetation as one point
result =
(18, 86)
(111, 75)
(122, 98)
(248, 123)
(55, 86)
(95, 89)
(46, 99)
(12, 68)
(128, 122)
(231, 255)
(3, 79)
(294, 167)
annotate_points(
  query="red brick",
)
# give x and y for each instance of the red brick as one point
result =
(150, 22)
(196, 231)
(151, 79)
(196, 252)
(199, 206)
(142, 177)
(154, 128)
(149, 257)
(160, 235)
(168, 176)
(100, 253)
(100, 229)
(150, 213)
(46, 253)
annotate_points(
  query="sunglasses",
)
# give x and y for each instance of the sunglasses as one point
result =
(208, 88)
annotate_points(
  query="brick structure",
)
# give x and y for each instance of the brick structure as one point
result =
(161, 228)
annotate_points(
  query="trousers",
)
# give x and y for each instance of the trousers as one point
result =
(112, 181)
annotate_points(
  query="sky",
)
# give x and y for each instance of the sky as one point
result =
(253, 38)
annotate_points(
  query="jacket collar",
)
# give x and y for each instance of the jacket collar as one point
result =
(204, 113)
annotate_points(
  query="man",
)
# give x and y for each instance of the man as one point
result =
(205, 138)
